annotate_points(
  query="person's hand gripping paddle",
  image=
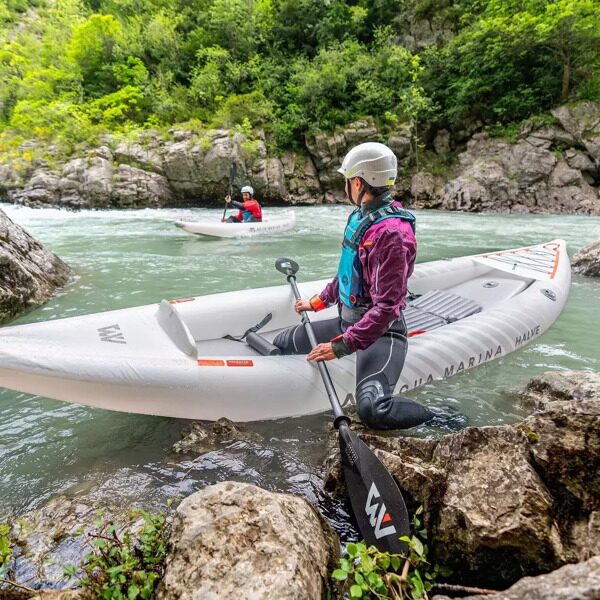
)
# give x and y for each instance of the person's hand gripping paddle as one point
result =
(376, 500)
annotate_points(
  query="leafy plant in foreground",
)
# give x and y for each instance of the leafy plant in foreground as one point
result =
(368, 573)
(126, 565)
(12, 545)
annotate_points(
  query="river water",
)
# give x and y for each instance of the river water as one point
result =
(128, 258)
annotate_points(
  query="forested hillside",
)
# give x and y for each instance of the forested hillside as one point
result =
(73, 69)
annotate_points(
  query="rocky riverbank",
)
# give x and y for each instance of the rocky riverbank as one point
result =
(552, 166)
(29, 273)
(504, 506)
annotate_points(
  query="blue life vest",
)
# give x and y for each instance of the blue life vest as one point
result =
(350, 279)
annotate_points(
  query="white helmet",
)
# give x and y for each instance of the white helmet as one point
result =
(248, 189)
(373, 162)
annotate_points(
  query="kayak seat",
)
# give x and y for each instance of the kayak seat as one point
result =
(437, 308)
(171, 323)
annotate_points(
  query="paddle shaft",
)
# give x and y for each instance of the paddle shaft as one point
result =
(232, 172)
(340, 417)
(376, 500)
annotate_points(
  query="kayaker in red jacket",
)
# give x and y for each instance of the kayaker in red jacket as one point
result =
(249, 209)
(378, 255)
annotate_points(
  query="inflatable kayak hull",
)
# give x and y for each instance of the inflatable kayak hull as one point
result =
(173, 359)
(217, 229)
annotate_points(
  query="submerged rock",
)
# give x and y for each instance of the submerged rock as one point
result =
(29, 273)
(204, 436)
(587, 260)
(57, 535)
(234, 540)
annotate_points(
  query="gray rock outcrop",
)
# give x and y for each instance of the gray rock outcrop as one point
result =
(552, 168)
(234, 540)
(29, 273)
(524, 177)
(587, 260)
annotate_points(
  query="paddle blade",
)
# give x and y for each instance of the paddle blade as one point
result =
(287, 266)
(376, 501)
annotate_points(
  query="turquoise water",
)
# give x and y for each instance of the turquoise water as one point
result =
(127, 258)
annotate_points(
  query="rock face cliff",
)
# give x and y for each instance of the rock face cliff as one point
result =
(29, 274)
(553, 167)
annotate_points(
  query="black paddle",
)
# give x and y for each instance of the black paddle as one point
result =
(376, 501)
(232, 174)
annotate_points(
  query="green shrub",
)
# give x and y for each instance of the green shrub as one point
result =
(367, 573)
(124, 566)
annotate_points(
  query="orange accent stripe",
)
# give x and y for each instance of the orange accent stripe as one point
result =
(207, 362)
(179, 300)
(240, 363)
(555, 265)
(416, 332)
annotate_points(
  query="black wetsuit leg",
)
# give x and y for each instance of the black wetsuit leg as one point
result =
(377, 371)
(231, 219)
(294, 340)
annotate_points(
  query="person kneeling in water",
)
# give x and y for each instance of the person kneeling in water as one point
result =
(249, 208)
(378, 255)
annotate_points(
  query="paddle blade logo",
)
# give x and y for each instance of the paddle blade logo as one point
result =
(378, 514)
(111, 333)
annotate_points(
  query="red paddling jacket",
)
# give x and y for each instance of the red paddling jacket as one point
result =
(248, 209)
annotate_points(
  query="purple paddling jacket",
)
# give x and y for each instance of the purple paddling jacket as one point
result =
(387, 255)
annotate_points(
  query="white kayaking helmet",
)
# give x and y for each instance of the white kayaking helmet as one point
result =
(248, 189)
(373, 162)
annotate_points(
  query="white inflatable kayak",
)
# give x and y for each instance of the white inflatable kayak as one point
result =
(172, 359)
(218, 229)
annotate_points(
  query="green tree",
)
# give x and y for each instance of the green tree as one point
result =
(571, 30)
(96, 46)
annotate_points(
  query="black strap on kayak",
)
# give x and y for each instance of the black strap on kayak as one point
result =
(251, 330)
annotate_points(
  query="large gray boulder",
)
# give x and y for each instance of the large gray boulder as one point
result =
(587, 260)
(29, 273)
(564, 436)
(235, 540)
(572, 582)
(198, 169)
